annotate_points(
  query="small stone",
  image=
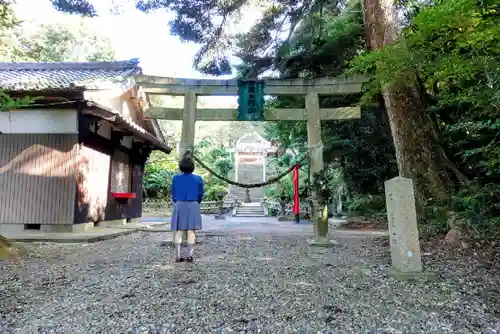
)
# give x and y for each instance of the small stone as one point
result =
(452, 239)
(367, 272)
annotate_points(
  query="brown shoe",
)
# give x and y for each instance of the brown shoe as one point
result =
(179, 259)
(189, 259)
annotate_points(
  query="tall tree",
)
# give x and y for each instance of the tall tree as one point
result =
(8, 24)
(72, 41)
(419, 153)
(451, 49)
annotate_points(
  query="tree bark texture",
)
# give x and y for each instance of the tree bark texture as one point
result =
(418, 151)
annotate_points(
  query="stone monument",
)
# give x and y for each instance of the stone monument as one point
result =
(403, 231)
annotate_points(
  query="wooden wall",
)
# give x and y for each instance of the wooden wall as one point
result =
(37, 178)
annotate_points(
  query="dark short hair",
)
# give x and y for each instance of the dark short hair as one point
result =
(186, 165)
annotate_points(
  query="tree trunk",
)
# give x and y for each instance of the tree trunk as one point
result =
(418, 151)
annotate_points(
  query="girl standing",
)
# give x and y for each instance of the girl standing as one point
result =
(187, 193)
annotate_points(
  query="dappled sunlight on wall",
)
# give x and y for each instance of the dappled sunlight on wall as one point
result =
(40, 160)
(92, 183)
(37, 178)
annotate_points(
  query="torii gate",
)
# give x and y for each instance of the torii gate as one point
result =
(311, 89)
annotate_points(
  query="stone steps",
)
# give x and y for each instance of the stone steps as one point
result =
(250, 210)
(256, 195)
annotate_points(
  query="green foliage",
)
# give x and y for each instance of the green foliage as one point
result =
(216, 156)
(75, 41)
(453, 49)
(224, 166)
(284, 190)
(367, 205)
(158, 179)
(213, 192)
(161, 169)
(8, 23)
(80, 7)
(481, 208)
(359, 154)
(8, 103)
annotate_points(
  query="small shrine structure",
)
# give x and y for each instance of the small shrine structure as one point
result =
(250, 165)
(251, 149)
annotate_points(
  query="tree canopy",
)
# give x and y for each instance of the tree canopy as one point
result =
(75, 40)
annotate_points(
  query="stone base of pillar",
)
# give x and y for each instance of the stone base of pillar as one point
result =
(323, 242)
(412, 276)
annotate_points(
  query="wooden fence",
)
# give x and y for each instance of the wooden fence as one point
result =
(274, 209)
(207, 207)
(213, 207)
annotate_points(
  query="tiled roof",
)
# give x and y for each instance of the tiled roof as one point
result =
(66, 75)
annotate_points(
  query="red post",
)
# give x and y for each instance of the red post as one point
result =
(296, 201)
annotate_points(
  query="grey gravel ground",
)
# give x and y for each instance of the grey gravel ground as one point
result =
(240, 283)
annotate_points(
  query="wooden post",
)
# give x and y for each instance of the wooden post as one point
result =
(316, 165)
(188, 129)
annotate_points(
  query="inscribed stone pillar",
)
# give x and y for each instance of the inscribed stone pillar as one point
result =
(403, 231)
(316, 165)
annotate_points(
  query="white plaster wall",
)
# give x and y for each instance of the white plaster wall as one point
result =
(115, 98)
(4, 122)
(39, 121)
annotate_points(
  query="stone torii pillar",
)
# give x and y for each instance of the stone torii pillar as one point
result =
(314, 142)
(188, 123)
(188, 131)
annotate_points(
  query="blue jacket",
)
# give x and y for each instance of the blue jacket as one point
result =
(187, 187)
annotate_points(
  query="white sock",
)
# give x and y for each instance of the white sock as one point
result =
(177, 250)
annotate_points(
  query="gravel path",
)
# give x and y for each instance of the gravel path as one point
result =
(240, 283)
